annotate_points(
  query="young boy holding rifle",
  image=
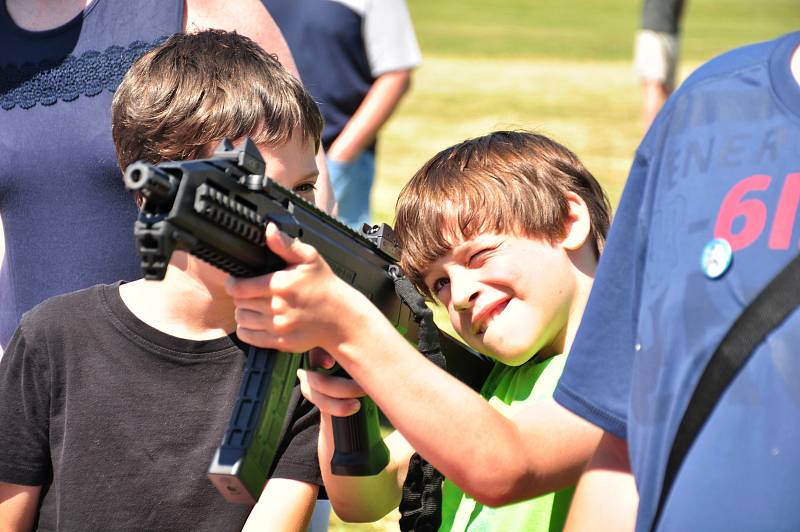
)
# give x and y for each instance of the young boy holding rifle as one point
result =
(505, 231)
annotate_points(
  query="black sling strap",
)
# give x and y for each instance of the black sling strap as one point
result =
(768, 310)
(421, 503)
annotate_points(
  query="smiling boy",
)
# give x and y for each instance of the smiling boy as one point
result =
(113, 399)
(505, 231)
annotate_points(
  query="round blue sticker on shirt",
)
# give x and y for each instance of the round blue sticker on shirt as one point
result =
(717, 257)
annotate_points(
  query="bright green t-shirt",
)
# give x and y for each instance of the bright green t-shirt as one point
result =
(510, 389)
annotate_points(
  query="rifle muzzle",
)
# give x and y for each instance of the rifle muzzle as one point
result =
(157, 187)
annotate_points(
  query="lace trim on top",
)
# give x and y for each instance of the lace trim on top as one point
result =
(69, 77)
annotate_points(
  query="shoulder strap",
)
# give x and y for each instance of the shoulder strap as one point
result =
(421, 502)
(768, 310)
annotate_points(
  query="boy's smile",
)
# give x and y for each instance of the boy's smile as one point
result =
(508, 296)
(484, 317)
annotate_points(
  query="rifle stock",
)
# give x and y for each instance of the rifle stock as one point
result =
(216, 209)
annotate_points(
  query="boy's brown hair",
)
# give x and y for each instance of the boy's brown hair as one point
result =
(506, 182)
(197, 88)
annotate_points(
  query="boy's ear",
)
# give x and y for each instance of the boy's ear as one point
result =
(578, 224)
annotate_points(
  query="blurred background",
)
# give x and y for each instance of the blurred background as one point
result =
(562, 68)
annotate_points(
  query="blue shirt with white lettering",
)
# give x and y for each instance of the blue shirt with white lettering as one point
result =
(721, 161)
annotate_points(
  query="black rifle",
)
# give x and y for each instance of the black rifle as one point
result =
(216, 209)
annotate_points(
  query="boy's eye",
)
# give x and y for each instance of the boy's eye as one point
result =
(482, 254)
(439, 284)
(304, 188)
(305, 191)
(478, 256)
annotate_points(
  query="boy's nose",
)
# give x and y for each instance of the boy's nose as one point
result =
(463, 291)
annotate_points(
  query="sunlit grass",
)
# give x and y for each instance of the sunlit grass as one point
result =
(588, 29)
(456, 98)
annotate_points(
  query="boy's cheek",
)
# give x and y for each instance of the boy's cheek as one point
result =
(460, 323)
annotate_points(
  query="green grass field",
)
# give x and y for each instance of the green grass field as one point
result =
(560, 68)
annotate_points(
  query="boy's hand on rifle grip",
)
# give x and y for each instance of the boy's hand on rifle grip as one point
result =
(295, 309)
(335, 396)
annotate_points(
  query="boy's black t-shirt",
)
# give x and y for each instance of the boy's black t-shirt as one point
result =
(119, 421)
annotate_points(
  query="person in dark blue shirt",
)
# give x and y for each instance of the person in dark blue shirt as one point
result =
(708, 217)
(356, 58)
